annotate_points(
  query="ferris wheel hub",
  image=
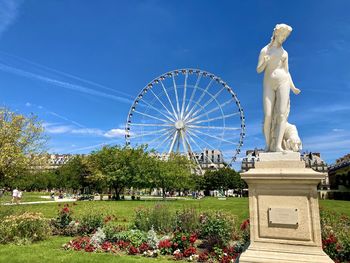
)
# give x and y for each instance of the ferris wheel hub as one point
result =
(179, 125)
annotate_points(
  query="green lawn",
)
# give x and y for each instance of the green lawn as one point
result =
(51, 251)
(26, 197)
(124, 210)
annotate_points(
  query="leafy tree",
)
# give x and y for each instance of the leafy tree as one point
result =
(224, 178)
(173, 174)
(120, 167)
(74, 174)
(21, 143)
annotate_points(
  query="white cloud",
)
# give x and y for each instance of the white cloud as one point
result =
(338, 130)
(87, 131)
(113, 133)
(8, 13)
(57, 129)
(28, 104)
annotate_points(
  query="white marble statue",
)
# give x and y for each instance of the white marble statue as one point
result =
(280, 136)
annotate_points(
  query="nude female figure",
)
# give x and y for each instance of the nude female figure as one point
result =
(273, 60)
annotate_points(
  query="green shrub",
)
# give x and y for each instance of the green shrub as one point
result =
(160, 217)
(217, 228)
(187, 220)
(90, 223)
(135, 237)
(27, 227)
(111, 231)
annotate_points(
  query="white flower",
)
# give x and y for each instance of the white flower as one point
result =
(177, 251)
(99, 237)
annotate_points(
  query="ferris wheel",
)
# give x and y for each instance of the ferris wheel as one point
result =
(188, 111)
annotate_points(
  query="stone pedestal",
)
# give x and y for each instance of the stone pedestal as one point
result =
(284, 212)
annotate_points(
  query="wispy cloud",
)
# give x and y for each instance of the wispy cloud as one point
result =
(63, 84)
(25, 62)
(8, 13)
(56, 128)
(95, 146)
(55, 114)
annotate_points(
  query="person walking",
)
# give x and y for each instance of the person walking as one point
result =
(19, 196)
(15, 195)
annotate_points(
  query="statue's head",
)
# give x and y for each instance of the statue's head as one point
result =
(280, 33)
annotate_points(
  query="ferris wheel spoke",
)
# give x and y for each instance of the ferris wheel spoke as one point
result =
(167, 95)
(173, 142)
(219, 107)
(209, 101)
(214, 137)
(200, 148)
(193, 155)
(151, 124)
(184, 144)
(200, 139)
(151, 106)
(194, 91)
(150, 133)
(151, 116)
(200, 98)
(213, 127)
(176, 95)
(167, 138)
(159, 138)
(184, 96)
(155, 95)
(213, 119)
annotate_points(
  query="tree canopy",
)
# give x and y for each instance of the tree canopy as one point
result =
(22, 142)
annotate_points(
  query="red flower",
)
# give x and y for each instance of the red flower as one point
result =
(190, 251)
(89, 248)
(245, 224)
(133, 250)
(164, 243)
(122, 244)
(183, 238)
(175, 245)
(144, 247)
(203, 257)
(106, 246)
(193, 238)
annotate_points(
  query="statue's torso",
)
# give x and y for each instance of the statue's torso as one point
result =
(275, 71)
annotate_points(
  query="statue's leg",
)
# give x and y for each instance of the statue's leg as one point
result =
(282, 102)
(269, 104)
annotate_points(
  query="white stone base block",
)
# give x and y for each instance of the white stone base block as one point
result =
(284, 212)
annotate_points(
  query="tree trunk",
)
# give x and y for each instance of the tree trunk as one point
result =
(163, 191)
(117, 193)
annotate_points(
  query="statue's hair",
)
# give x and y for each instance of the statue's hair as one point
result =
(279, 28)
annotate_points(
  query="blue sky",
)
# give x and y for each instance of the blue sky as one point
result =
(79, 64)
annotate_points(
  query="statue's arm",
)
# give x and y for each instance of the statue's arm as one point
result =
(263, 59)
(295, 90)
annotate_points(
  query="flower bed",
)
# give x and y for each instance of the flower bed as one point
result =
(215, 237)
(24, 228)
(193, 236)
